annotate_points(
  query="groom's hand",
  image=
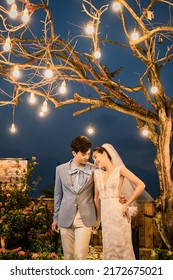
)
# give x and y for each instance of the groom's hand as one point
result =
(122, 199)
(96, 226)
(55, 227)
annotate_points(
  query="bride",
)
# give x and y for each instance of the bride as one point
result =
(112, 179)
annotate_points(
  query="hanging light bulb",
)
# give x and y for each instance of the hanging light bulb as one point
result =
(44, 107)
(89, 28)
(48, 72)
(16, 72)
(97, 54)
(13, 128)
(116, 6)
(10, 2)
(13, 11)
(160, 39)
(135, 34)
(154, 89)
(63, 87)
(145, 131)
(25, 17)
(32, 98)
(90, 129)
(7, 45)
(41, 114)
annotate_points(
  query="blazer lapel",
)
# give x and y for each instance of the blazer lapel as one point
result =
(88, 181)
(68, 178)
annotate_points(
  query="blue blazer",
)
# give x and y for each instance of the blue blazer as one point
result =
(67, 201)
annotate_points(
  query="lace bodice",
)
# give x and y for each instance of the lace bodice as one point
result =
(108, 189)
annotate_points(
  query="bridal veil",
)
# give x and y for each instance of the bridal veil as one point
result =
(128, 187)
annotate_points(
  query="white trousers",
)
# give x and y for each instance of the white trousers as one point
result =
(75, 240)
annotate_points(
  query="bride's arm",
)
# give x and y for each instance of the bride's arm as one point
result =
(139, 184)
(97, 199)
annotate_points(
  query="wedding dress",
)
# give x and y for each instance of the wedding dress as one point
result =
(116, 230)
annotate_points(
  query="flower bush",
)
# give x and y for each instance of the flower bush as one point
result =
(25, 220)
(20, 254)
(163, 254)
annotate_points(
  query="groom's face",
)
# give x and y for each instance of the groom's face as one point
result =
(81, 158)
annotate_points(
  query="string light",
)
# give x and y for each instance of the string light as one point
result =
(89, 28)
(63, 87)
(44, 107)
(41, 114)
(25, 17)
(13, 128)
(13, 11)
(116, 6)
(7, 45)
(160, 39)
(90, 129)
(97, 54)
(10, 2)
(154, 89)
(48, 72)
(32, 98)
(135, 34)
(145, 130)
(16, 72)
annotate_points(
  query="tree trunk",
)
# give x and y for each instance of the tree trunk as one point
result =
(164, 203)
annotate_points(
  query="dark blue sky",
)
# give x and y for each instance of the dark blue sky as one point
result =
(49, 138)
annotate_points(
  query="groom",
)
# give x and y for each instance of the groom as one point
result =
(74, 209)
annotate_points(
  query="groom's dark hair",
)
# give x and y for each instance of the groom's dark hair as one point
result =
(81, 144)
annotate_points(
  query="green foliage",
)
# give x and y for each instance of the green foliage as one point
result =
(163, 254)
(26, 220)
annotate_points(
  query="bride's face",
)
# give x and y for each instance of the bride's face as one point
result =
(99, 159)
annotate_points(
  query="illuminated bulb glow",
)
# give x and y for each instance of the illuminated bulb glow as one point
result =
(13, 128)
(25, 16)
(135, 35)
(89, 28)
(32, 99)
(116, 6)
(7, 45)
(97, 54)
(90, 129)
(63, 87)
(154, 89)
(41, 114)
(10, 2)
(16, 72)
(44, 107)
(145, 130)
(13, 11)
(48, 73)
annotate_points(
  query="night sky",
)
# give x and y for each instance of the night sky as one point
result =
(49, 138)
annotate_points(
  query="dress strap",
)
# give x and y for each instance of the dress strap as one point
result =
(120, 184)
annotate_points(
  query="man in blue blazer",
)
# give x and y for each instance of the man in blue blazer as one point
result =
(74, 208)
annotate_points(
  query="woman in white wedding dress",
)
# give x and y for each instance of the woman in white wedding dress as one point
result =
(115, 216)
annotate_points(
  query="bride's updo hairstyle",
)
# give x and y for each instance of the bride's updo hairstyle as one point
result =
(101, 150)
